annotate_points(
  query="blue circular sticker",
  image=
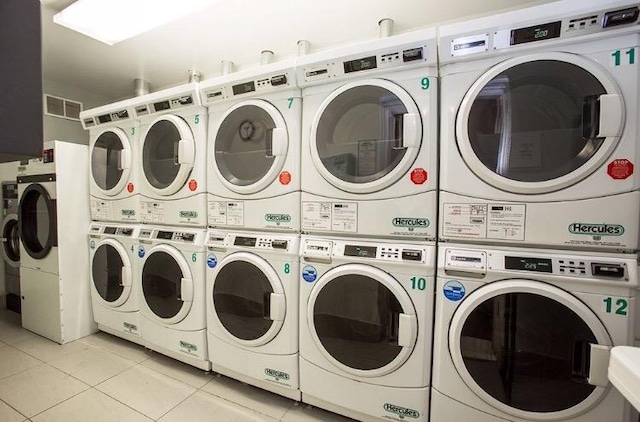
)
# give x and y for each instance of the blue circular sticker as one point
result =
(453, 290)
(212, 261)
(141, 252)
(92, 244)
(309, 274)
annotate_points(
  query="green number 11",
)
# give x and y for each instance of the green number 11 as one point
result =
(617, 56)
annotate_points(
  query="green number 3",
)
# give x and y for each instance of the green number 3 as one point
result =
(194, 257)
(287, 268)
(133, 131)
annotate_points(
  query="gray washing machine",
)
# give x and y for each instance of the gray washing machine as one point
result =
(11, 244)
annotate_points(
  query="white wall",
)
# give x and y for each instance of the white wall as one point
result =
(64, 129)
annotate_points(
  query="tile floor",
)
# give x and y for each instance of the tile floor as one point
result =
(101, 378)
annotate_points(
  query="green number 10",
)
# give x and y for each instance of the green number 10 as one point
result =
(419, 283)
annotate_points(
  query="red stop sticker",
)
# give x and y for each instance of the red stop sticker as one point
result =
(620, 169)
(285, 178)
(419, 176)
(193, 185)
(130, 187)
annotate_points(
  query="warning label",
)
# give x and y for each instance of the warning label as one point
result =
(620, 169)
(226, 213)
(100, 210)
(151, 212)
(330, 216)
(484, 221)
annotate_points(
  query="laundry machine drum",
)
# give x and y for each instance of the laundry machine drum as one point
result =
(107, 167)
(38, 221)
(243, 145)
(107, 274)
(11, 244)
(241, 299)
(159, 155)
(162, 279)
(539, 123)
(362, 320)
(526, 349)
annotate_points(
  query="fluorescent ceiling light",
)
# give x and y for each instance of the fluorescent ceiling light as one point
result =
(112, 21)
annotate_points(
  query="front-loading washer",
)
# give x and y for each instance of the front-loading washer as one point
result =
(369, 138)
(113, 272)
(53, 217)
(172, 293)
(10, 229)
(172, 157)
(524, 334)
(254, 149)
(539, 129)
(252, 308)
(366, 317)
(113, 158)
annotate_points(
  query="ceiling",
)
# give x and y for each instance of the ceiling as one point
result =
(235, 30)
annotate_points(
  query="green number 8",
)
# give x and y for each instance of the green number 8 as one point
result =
(287, 268)
(425, 83)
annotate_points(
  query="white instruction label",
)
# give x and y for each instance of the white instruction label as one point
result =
(465, 220)
(506, 221)
(330, 216)
(344, 217)
(316, 216)
(226, 213)
(100, 210)
(484, 221)
(152, 212)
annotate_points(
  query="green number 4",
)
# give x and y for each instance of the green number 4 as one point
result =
(620, 304)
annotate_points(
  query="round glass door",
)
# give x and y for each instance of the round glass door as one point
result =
(167, 286)
(11, 241)
(539, 123)
(362, 320)
(38, 223)
(366, 135)
(248, 299)
(168, 154)
(250, 146)
(111, 161)
(111, 273)
(524, 347)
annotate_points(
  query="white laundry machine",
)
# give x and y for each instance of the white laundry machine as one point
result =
(172, 293)
(366, 318)
(524, 334)
(113, 158)
(252, 308)
(253, 175)
(53, 219)
(10, 229)
(114, 272)
(172, 157)
(369, 138)
(539, 127)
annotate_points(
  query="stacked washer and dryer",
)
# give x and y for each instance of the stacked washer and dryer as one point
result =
(539, 201)
(171, 252)
(254, 220)
(113, 190)
(369, 203)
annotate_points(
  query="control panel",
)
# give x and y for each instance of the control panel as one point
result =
(116, 116)
(118, 231)
(547, 29)
(262, 84)
(474, 261)
(220, 239)
(328, 249)
(175, 103)
(185, 237)
(408, 55)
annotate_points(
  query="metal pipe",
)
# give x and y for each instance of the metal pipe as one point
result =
(266, 57)
(385, 27)
(194, 75)
(141, 87)
(303, 47)
(227, 67)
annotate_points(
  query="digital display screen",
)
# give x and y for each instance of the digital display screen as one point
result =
(243, 88)
(460, 258)
(162, 105)
(164, 235)
(245, 241)
(360, 64)
(540, 265)
(109, 230)
(471, 44)
(360, 251)
(536, 33)
(105, 118)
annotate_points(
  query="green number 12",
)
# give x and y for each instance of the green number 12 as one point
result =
(621, 305)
